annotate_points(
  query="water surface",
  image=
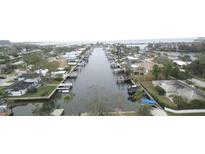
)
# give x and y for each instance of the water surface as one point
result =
(95, 84)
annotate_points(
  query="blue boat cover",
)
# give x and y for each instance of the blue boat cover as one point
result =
(149, 101)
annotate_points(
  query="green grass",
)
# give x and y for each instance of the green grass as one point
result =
(42, 91)
(162, 100)
(55, 82)
(2, 88)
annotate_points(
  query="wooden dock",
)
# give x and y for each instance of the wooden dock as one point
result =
(57, 112)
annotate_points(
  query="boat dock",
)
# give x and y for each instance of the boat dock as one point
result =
(64, 87)
(57, 112)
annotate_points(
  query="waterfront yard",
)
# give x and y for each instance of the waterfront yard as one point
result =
(2, 88)
(162, 100)
(42, 91)
(2, 92)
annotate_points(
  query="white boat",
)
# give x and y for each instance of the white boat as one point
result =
(64, 87)
(67, 84)
(65, 91)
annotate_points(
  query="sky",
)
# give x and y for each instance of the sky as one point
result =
(91, 20)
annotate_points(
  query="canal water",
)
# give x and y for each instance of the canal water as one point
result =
(94, 88)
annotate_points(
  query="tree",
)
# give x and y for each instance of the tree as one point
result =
(69, 97)
(197, 67)
(167, 69)
(3, 94)
(175, 72)
(138, 95)
(34, 59)
(98, 108)
(180, 101)
(51, 66)
(156, 71)
(160, 90)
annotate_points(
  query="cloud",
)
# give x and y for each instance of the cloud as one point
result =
(80, 20)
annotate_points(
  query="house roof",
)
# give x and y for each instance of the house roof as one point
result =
(134, 66)
(131, 58)
(2, 66)
(29, 75)
(19, 85)
(181, 63)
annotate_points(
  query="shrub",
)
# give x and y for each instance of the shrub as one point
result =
(138, 95)
(184, 75)
(160, 90)
(58, 79)
(180, 101)
(163, 103)
(184, 104)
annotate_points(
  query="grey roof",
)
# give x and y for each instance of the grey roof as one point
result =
(29, 75)
(3, 66)
(19, 85)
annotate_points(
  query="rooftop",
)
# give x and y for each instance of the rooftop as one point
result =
(181, 63)
(29, 75)
(19, 85)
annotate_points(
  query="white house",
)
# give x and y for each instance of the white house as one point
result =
(58, 74)
(42, 72)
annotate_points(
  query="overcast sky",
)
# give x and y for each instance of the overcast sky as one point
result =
(87, 20)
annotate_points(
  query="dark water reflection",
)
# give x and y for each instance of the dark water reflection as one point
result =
(95, 83)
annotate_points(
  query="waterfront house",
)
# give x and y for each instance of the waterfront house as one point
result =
(138, 69)
(143, 67)
(30, 78)
(19, 88)
(70, 56)
(59, 73)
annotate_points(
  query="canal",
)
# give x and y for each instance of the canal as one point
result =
(95, 88)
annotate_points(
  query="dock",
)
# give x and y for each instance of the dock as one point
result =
(73, 74)
(57, 112)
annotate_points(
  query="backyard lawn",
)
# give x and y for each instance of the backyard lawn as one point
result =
(55, 82)
(2, 88)
(162, 100)
(42, 91)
